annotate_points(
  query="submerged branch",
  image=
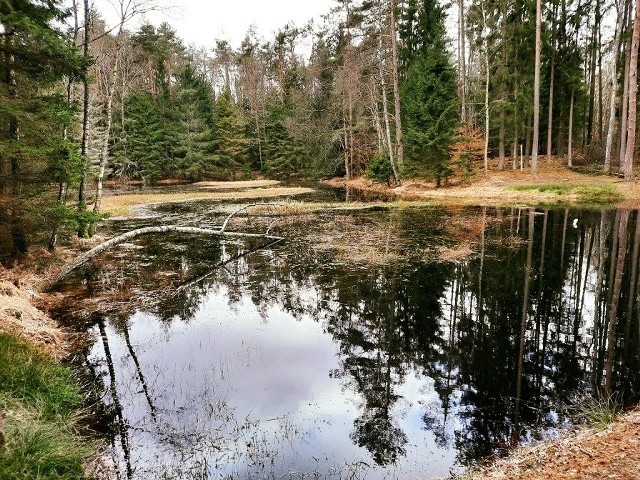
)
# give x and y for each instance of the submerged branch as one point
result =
(85, 257)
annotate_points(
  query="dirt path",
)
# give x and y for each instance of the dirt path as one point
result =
(612, 453)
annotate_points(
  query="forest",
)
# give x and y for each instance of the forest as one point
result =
(399, 240)
(390, 89)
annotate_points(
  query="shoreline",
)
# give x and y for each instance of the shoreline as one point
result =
(553, 185)
(20, 301)
(606, 451)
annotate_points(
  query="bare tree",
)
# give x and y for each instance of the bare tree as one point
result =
(127, 10)
(633, 97)
(614, 89)
(396, 85)
(536, 89)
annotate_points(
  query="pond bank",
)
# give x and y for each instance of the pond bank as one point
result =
(41, 400)
(592, 452)
(554, 184)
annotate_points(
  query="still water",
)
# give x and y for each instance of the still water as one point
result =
(402, 343)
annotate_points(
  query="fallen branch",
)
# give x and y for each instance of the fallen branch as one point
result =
(192, 281)
(85, 257)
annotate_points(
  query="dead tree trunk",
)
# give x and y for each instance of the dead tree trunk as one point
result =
(85, 257)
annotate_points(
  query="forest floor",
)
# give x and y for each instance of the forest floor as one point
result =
(612, 452)
(554, 183)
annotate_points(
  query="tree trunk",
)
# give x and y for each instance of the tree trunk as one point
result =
(633, 96)
(536, 89)
(551, 87)
(570, 145)
(614, 90)
(617, 287)
(125, 237)
(396, 86)
(523, 328)
(104, 154)
(462, 62)
(592, 74)
(82, 200)
(501, 146)
(486, 103)
(624, 117)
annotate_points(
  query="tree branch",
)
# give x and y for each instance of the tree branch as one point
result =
(85, 257)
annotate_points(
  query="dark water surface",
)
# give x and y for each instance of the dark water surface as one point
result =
(396, 344)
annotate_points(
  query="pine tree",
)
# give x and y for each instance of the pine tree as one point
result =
(34, 55)
(429, 95)
(197, 144)
(232, 153)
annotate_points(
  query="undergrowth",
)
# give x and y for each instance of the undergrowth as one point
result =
(40, 400)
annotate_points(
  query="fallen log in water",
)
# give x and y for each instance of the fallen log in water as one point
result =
(85, 257)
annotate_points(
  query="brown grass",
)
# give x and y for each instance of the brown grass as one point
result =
(19, 317)
(589, 453)
(237, 185)
(24, 309)
(498, 188)
(121, 205)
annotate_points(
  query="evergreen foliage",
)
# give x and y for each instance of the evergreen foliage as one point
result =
(429, 95)
(282, 155)
(196, 144)
(35, 120)
(233, 145)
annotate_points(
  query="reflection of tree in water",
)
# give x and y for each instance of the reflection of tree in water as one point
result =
(458, 324)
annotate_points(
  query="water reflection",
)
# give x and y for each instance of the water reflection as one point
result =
(291, 360)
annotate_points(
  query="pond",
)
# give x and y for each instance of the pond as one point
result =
(397, 343)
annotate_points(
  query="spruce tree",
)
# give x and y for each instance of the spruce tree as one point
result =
(141, 150)
(34, 55)
(232, 153)
(282, 155)
(197, 144)
(429, 94)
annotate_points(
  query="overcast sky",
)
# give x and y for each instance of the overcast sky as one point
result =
(200, 22)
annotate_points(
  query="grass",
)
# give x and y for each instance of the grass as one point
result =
(585, 193)
(40, 400)
(601, 410)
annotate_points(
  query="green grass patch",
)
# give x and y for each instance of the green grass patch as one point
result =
(590, 193)
(602, 410)
(40, 400)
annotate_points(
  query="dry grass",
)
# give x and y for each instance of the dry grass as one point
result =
(354, 242)
(514, 187)
(590, 453)
(121, 205)
(24, 310)
(457, 253)
(19, 317)
(237, 185)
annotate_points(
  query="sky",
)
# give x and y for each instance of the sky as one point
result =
(200, 22)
